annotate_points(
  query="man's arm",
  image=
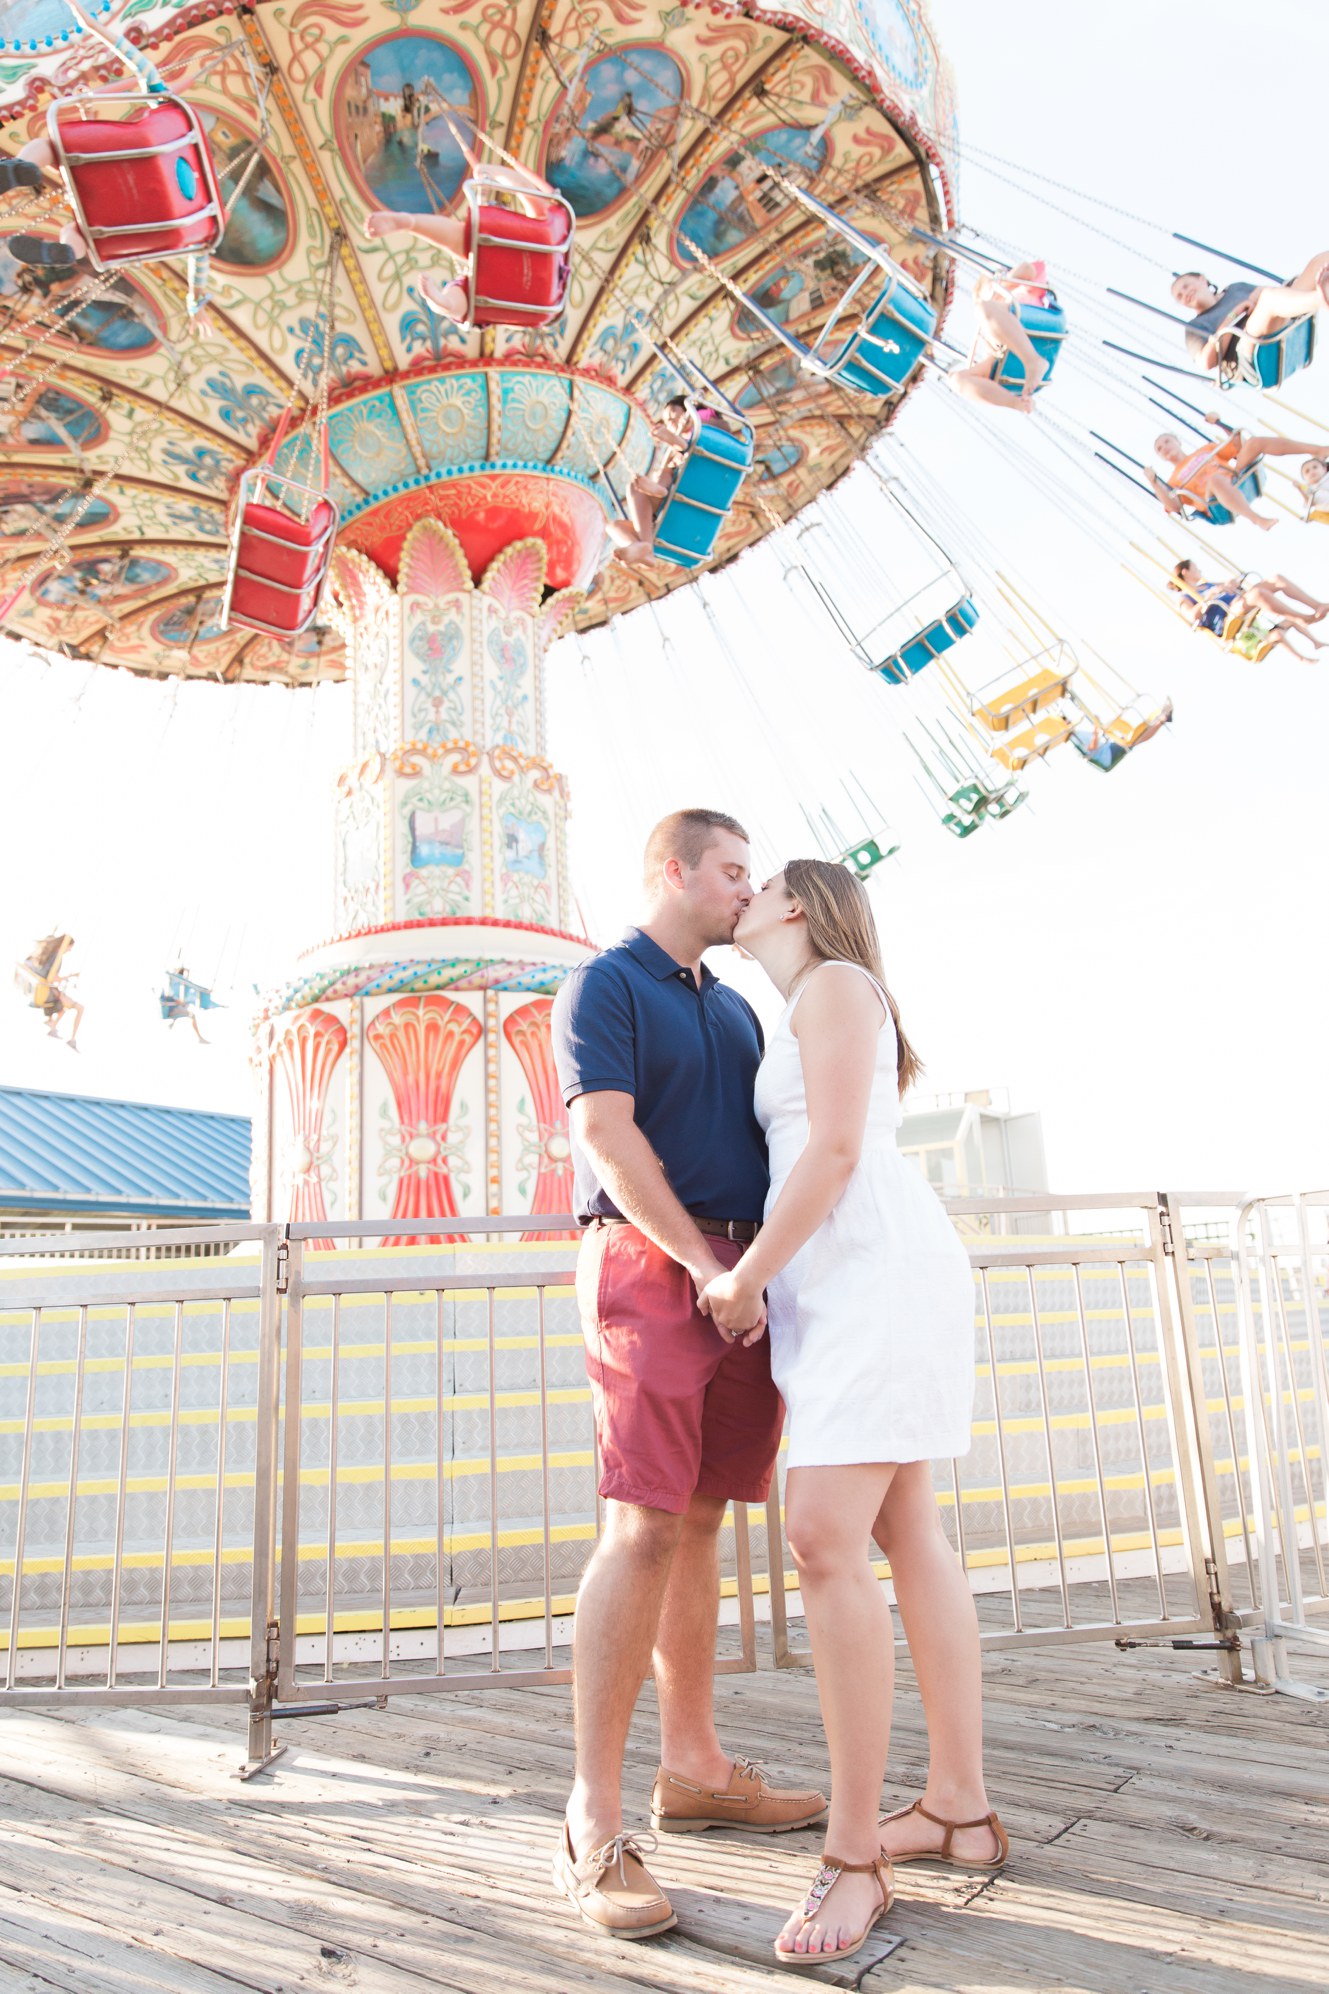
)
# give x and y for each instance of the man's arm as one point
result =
(634, 1177)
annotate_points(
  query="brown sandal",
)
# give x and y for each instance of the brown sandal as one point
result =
(826, 1878)
(952, 1828)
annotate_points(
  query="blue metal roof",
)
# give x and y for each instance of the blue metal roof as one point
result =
(75, 1153)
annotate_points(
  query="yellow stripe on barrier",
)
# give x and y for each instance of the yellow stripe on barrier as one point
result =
(561, 1395)
(416, 1471)
(524, 1537)
(404, 1619)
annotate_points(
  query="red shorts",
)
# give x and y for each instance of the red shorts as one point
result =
(679, 1411)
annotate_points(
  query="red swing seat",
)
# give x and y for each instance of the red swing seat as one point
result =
(279, 563)
(141, 186)
(520, 265)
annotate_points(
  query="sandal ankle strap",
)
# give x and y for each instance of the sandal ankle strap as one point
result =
(954, 1828)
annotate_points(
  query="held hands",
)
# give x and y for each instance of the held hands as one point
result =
(735, 1305)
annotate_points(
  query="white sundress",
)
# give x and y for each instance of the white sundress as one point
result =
(872, 1321)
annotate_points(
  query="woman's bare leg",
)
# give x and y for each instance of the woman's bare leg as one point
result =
(1276, 304)
(829, 1515)
(975, 386)
(450, 301)
(1282, 599)
(629, 545)
(1272, 446)
(444, 230)
(1001, 323)
(640, 511)
(1284, 633)
(941, 1627)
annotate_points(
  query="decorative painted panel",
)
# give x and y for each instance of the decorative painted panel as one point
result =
(421, 1044)
(533, 416)
(542, 1165)
(438, 843)
(307, 1051)
(451, 413)
(369, 443)
(436, 704)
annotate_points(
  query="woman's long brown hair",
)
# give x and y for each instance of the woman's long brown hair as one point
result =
(841, 929)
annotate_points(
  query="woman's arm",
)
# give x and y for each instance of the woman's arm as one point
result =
(840, 1018)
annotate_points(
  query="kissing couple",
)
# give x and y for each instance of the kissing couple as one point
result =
(754, 1241)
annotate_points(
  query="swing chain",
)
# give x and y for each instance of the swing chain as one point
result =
(56, 551)
(93, 287)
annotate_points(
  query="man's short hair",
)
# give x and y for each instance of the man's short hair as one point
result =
(685, 835)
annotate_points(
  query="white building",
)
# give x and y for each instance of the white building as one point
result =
(972, 1145)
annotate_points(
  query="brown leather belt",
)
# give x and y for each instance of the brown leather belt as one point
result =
(742, 1230)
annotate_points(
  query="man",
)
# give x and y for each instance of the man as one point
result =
(1228, 322)
(657, 1060)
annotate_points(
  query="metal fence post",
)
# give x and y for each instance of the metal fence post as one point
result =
(1195, 1408)
(263, 1627)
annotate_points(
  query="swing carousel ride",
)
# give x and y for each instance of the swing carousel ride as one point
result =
(395, 339)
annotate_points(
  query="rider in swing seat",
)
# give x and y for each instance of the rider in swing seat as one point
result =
(1200, 477)
(1314, 483)
(1228, 322)
(34, 169)
(452, 300)
(1000, 331)
(634, 537)
(1220, 607)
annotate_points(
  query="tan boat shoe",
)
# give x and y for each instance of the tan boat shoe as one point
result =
(681, 1807)
(612, 1890)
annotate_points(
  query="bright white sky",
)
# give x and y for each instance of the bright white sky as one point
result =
(1141, 957)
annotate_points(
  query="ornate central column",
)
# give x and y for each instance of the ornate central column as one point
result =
(406, 1071)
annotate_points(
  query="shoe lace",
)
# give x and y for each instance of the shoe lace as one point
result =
(749, 1768)
(612, 1854)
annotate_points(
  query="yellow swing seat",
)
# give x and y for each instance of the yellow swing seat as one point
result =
(1129, 727)
(1048, 731)
(1030, 695)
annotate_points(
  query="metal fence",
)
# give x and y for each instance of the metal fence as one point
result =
(290, 1477)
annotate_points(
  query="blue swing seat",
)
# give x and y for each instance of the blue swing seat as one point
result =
(708, 480)
(1251, 486)
(929, 643)
(884, 352)
(1267, 362)
(1046, 327)
(894, 336)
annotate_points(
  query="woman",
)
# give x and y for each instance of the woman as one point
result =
(871, 1306)
(997, 300)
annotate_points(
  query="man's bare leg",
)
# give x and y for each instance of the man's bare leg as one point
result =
(685, 1650)
(618, 1611)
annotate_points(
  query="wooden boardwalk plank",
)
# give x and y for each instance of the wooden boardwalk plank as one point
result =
(1169, 1838)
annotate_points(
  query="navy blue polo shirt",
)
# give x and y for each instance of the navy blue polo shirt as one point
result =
(633, 1021)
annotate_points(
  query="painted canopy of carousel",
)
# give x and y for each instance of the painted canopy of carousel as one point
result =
(651, 118)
